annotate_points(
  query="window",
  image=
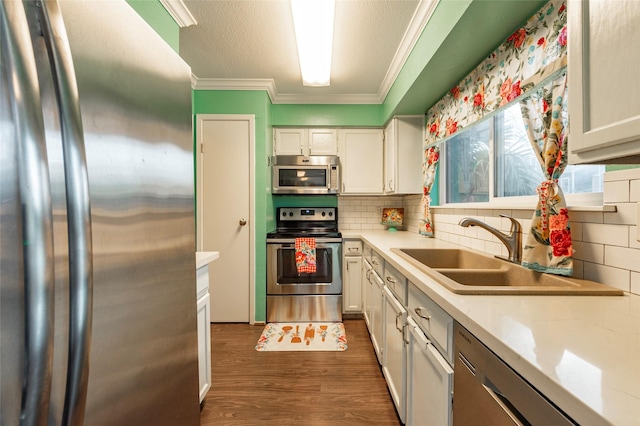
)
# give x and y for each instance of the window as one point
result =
(492, 161)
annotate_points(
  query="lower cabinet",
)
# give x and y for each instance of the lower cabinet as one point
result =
(352, 276)
(413, 339)
(366, 293)
(376, 302)
(203, 306)
(429, 381)
(394, 358)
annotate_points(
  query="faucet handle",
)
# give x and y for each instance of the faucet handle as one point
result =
(515, 225)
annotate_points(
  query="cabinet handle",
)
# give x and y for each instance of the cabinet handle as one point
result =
(342, 186)
(400, 329)
(391, 280)
(418, 311)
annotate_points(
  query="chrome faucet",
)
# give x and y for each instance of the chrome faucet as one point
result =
(513, 240)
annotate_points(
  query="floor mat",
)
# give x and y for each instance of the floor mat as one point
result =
(303, 336)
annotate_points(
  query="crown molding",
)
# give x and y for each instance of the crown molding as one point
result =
(418, 22)
(179, 12)
(267, 84)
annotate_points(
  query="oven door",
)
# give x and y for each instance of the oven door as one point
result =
(283, 277)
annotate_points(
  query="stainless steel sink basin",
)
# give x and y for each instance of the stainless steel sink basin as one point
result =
(450, 258)
(468, 272)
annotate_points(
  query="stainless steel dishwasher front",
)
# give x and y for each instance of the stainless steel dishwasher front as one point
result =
(486, 391)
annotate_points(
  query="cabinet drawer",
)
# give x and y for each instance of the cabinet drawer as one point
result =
(433, 320)
(352, 248)
(396, 282)
(377, 263)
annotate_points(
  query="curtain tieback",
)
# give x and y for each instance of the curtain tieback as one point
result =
(546, 191)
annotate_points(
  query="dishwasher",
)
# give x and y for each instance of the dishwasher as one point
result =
(486, 391)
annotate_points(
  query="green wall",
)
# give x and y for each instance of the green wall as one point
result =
(327, 115)
(160, 20)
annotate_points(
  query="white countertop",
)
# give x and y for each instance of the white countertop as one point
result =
(203, 258)
(582, 352)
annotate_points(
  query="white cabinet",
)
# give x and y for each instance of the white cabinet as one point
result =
(403, 138)
(302, 141)
(604, 58)
(376, 319)
(203, 306)
(361, 153)
(394, 358)
(429, 381)
(352, 276)
(366, 292)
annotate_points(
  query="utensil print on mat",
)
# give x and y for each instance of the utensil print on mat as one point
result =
(309, 334)
(296, 336)
(323, 331)
(285, 330)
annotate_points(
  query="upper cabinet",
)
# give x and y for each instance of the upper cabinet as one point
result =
(402, 155)
(305, 141)
(361, 153)
(604, 81)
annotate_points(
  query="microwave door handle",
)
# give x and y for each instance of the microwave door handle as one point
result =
(37, 215)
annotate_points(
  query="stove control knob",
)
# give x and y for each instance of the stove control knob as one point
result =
(324, 214)
(330, 214)
(290, 214)
(284, 214)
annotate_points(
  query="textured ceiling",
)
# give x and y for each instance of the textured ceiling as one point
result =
(249, 43)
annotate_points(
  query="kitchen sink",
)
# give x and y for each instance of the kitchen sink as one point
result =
(467, 272)
(450, 258)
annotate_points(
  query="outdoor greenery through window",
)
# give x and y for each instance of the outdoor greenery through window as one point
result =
(499, 147)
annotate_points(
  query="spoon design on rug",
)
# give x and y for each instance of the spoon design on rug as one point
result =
(285, 330)
(296, 336)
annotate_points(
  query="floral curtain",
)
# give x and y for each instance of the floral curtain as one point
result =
(532, 55)
(429, 167)
(548, 245)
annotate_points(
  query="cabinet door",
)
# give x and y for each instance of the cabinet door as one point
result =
(352, 284)
(377, 299)
(390, 157)
(366, 294)
(403, 138)
(604, 105)
(429, 381)
(323, 142)
(204, 345)
(289, 141)
(393, 359)
(361, 160)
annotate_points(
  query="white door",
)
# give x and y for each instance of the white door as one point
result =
(225, 212)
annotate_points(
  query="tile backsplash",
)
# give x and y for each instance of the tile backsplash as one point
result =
(606, 248)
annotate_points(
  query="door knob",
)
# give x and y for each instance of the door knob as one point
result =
(243, 222)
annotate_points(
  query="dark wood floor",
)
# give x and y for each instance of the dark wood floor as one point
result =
(286, 388)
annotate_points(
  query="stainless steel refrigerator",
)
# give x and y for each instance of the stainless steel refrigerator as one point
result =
(97, 266)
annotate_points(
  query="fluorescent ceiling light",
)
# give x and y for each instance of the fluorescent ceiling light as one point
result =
(313, 22)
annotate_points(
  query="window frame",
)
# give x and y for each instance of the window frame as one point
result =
(587, 200)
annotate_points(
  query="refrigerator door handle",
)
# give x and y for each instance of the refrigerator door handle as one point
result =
(78, 212)
(37, 218)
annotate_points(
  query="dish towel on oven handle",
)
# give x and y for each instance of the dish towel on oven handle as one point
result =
(306, 255)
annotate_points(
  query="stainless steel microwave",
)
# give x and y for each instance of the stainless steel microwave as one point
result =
(297, 174)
